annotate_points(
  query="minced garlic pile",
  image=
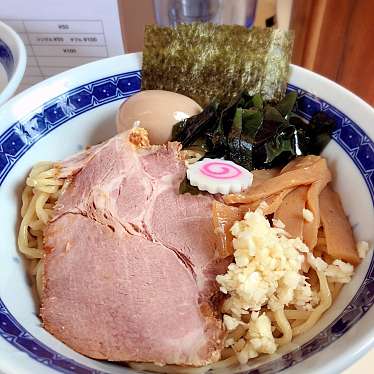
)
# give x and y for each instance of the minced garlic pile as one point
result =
(267, 275)
(266, 269)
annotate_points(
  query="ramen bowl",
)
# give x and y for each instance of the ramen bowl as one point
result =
(12, 62)
(64, 114)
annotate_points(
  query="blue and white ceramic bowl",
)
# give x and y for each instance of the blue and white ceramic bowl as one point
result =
(12, 62)
(59, 116)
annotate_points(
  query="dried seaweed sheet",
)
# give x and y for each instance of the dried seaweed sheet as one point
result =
(215, 62)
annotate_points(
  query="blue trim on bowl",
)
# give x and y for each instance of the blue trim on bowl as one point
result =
(23, 134)
(349, 136)
(6, 58)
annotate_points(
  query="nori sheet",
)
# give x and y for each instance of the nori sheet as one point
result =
(210, 62)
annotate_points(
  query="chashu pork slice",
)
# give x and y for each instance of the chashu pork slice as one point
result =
(130, 263)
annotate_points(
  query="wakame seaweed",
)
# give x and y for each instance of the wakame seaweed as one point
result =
(210, 62)
(253, 134)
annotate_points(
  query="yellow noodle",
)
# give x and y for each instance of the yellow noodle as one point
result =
(284, 326)
(33, 243)
(39, 207)
(34, 233)
(50, 173)
(43, 187)
(40, 167)
(326, 300)
(23, 232)
(47, 189)
(26, 197)
(296, 322)
(40, 182)
(224, 363)
(296, 314)
(36, 225)
(49, 212)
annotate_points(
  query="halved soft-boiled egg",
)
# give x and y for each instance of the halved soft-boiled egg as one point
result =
(157, 111)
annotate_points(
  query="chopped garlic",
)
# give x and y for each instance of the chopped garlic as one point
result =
(308, 215)
(230, 322)
(259, 339)
(255, 315)
(316, 262)
(266, 272)
(362, 249)
(267, 267)
(229, 342)
(339, 271)
(278, 223)
(260, 335)
(303, 295)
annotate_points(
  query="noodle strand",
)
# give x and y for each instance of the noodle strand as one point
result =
(326, 300)
(43, 188)
(284, 326)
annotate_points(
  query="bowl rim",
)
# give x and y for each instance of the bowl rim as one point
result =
(367, 337)
(18, 50)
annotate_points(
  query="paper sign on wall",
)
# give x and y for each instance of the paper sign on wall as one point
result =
(63, 34)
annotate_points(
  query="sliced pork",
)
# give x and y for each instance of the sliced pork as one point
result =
(131, 264)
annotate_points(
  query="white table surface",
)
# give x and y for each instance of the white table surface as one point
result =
(363, 366)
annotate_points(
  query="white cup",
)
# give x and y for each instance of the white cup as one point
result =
(12, 62)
